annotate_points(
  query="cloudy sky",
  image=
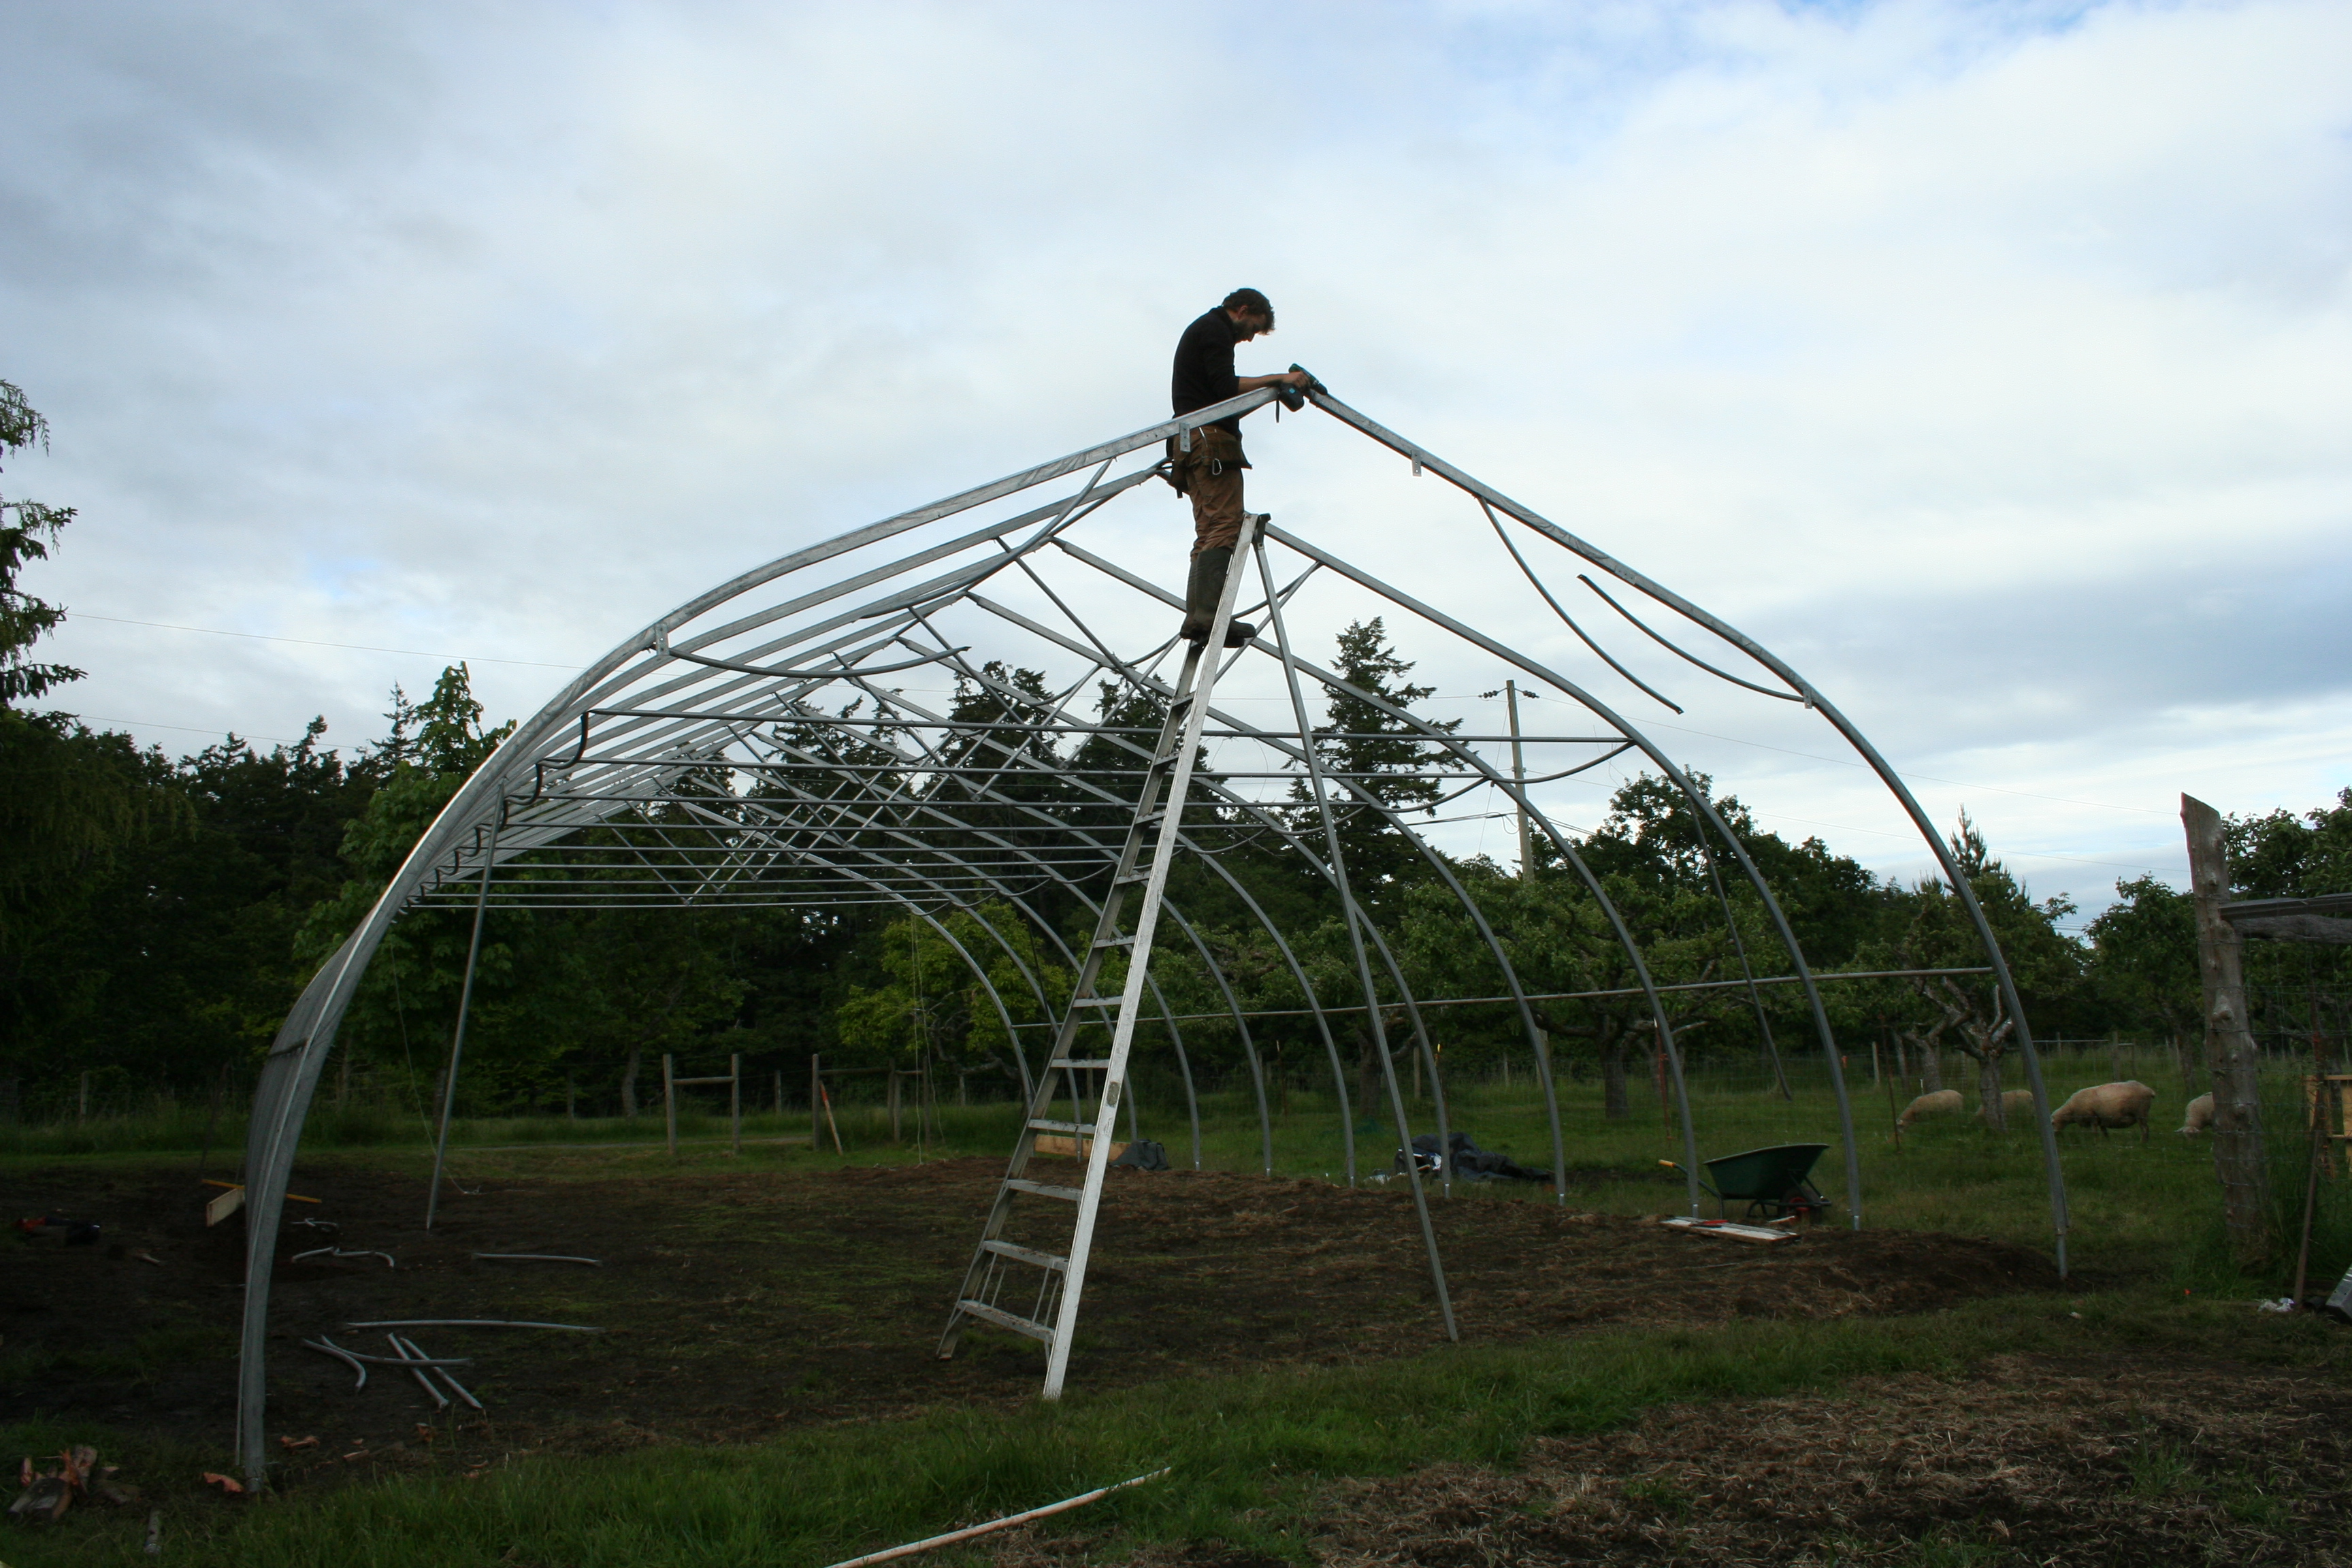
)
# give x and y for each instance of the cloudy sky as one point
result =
(1990, 361)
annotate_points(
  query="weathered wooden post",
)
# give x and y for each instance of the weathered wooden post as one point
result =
(669, 1100)
(2229, 1051)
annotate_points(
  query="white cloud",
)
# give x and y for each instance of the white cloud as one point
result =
(1991, 362)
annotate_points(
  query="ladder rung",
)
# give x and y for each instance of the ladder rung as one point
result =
(1045, 1189)
(1003, 1320)
(1058, 1063)
(1028, 1255)
(1131, 879)
(1099, 941)
(1073, 1128)
(1094, 1001)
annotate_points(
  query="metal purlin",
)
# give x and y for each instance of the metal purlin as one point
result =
(743, 675)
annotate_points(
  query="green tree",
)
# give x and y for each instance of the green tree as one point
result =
(73, 803)
(2143, 968)
(27, 529)
(416, 976)
(933, 1010)
(1380, 753)
(2044, 962)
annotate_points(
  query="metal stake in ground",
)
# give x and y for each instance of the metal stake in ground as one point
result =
(458, 1041)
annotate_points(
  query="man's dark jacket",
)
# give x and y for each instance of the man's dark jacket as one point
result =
(1204, 367)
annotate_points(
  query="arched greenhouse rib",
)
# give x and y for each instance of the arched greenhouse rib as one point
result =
(779, 741)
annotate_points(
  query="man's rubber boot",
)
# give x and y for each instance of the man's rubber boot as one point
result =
(1206, 586)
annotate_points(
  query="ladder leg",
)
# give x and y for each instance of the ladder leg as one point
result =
(1143, 865)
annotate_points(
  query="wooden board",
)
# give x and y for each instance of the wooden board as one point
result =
(1760, 1235)
(221, 1207)
(1054, 1144)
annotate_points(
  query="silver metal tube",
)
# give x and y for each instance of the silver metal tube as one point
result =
(1348, 912)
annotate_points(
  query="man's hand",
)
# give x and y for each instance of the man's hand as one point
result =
(1296, 378)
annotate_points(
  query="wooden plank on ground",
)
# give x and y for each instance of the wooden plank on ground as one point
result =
(1054, 1144)
(1756, 1233)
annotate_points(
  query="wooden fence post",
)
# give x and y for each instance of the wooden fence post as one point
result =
(669, 1102)
(2230, 1050)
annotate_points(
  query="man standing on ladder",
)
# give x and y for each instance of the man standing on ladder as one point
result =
(1211, 473)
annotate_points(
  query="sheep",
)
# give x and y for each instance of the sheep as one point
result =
(2017, 1102)
(1942, 1103)
(2200, 1118)
(2108, 1105)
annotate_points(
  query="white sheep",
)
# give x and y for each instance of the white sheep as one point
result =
(1943, 1102)
(2107, 1105)
(2199, 1117)
(2017, 1102)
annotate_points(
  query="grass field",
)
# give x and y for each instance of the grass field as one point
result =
(1258, 1458)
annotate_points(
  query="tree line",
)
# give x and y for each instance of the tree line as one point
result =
(158, 915)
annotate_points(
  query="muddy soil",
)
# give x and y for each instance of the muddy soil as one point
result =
(2028, 1460)
(737, 1304)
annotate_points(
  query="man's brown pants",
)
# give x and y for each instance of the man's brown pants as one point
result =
(1213, 479)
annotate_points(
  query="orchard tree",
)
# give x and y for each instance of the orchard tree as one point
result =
(1968, 1010)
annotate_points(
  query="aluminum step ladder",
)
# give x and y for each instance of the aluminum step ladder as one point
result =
(1048, 1285)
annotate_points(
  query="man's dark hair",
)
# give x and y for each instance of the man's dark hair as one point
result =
(1250, 302)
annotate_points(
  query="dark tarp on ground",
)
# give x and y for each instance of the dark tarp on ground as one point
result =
(1143, 1154)
(1471, 1164)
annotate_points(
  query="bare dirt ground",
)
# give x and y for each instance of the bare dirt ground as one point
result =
(2031, 1461)
(738, 1304)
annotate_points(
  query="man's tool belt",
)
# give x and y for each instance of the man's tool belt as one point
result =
(1214, 449)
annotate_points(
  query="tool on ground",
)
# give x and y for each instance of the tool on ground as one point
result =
(1050, 1312)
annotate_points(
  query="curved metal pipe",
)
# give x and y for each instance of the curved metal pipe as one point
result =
(1853, 737)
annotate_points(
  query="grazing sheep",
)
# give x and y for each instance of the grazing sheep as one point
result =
(2017, 1102)
(2108, 1105)
(2200, 1118)
(1943, 1102)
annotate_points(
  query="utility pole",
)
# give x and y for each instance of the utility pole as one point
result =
(1519, 777)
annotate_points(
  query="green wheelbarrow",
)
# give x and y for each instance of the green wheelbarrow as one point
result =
(1775, 1183)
